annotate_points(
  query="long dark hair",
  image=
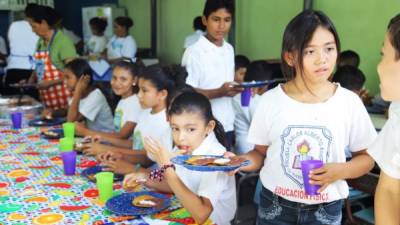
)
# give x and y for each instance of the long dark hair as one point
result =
(394, 34)
(80, 67)
(194, 102)
(298, 34)
(39, 13)
(171, 78)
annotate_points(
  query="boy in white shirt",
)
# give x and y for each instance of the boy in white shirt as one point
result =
(210, 63)
(386, 149)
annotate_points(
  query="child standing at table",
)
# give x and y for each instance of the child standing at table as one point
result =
(210, 63)
(300, 126)
(386, 150)
(89, 103)
(196, 132)
(128, 110)
(156, 86)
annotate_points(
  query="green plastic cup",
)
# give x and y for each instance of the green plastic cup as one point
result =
(66, 144)
(69, 129)
(104, 183)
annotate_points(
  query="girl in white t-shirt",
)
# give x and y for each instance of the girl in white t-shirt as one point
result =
(308, 118)
(121, 45)
(195, 131)
(386, 149)
(97, 42)
(156, 85)
(128, 110)
(89, 104)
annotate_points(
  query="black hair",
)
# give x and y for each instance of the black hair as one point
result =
(350, 58)
(259, 70)
(241, 61)
(98, 23)
(298, 33)
(171, 78)
(80, 67)
(349, 77)
(214, 5)
(198, 24)
(394, 34)
(124, 21)
(194, 102)
(133, 69)
(39, 13)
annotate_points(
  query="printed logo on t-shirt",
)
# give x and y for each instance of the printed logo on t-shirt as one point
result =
(302, 143)
(118, 120)
(137, 140)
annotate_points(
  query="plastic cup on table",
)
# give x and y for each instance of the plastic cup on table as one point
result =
(245, 97)
(69, 129)
(69, 162)
(104, 183)
(16, 119)
(66, 144)
(306, 167)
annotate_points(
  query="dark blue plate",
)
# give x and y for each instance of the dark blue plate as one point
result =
(91, 171)
(259, 83)
(58, 133)
(122, 204)
(46, 122)
(181, 160)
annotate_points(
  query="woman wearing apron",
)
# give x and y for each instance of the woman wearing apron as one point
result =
(53, 50)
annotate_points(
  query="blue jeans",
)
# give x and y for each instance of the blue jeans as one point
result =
(274, 210)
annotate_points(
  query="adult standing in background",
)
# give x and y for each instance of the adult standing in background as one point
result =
(54, 50)
(210, 64)
(122, 45)
(199, 30)
(22, 41)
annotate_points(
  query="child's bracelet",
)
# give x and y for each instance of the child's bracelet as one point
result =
(158, 174)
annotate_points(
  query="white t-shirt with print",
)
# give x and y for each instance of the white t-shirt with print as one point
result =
(243, 118)
(209, 67)
(296, 131)
(155, 126)
(119, 47)
(96, 44)
(97, 112)
(386, 148)
(128, 110)
(218, 187)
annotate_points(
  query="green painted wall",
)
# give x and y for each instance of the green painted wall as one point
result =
(139, 11)
(361, 25)
(260, 25)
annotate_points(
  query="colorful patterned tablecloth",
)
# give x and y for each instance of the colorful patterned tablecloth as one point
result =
(34, 190)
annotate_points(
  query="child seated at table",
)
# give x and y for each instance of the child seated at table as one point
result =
(89, 103)
(156, 86)
(353, 79)
(257, 71)
(195, 131)
(128, 110)
(385, 150)
(241, 64)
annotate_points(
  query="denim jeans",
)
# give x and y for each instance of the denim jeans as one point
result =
(274, 210)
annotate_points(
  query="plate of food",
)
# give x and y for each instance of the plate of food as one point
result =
(46, 122)
(90, 174)
(138, 203)
(210, 162)
(53, 133)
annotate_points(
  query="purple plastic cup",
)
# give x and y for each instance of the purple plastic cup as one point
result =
(245, 97)
(306, 167)
(69, 162)
(16, 118)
